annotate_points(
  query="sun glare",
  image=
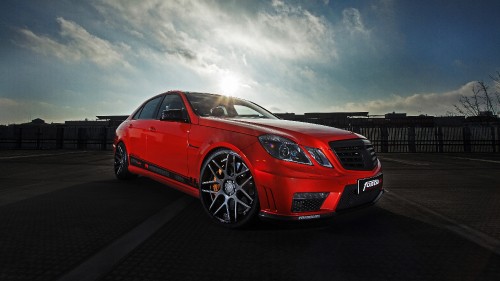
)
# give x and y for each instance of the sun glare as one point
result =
(229, 85)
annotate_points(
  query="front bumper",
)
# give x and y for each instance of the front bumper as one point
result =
(281, 184)
(276, 194)
(349, 201)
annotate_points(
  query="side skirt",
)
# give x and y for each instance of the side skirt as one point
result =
(137, 162)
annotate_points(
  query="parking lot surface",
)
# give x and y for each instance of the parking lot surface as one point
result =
(63, 216)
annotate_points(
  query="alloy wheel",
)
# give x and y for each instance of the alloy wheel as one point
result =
(227, 189)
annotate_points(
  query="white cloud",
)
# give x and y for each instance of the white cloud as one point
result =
(76, 44)
(5, 102)
(351, 18)
(46, 46)
(422, 103)
(206, 40)
(289, 32)
(202, 33)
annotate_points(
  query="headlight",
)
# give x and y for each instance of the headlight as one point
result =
(284, 149)
(319, 156)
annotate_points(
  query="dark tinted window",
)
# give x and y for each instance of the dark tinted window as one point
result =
(226, 107)
(149, 109)
(171, 101)
(136, 115)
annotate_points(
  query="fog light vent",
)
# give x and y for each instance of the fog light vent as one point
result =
(308, 201)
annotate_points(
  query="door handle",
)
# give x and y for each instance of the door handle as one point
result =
(152, 129)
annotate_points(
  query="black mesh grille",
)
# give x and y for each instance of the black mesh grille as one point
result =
(307, 205)
(357, 154)
(350, 198)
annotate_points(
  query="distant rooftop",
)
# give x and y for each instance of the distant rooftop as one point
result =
(112, 117)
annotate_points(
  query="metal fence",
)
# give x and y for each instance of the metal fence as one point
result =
(434, 139)
(57, 137)
(385, 139)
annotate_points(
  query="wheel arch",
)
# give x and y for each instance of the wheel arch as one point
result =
(210, 150)
(122, 140)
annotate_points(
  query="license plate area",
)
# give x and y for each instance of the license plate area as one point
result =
(368, 184)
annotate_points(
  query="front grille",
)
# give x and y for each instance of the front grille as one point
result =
(307, 205)
(357, 154)
(350, 198)
(308, 201)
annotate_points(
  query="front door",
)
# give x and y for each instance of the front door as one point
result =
(167, 140)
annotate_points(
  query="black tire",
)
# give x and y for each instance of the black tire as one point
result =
(121, 163)
(227, 190)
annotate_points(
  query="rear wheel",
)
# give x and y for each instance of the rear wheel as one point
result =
(227, 189)
(121, 163)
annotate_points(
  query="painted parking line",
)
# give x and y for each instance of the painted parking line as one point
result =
(102, 262)
(36, 155)
(482, 239)
(407, 162)
(476, 159)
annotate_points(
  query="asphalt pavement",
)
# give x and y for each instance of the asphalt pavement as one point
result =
(63, 216)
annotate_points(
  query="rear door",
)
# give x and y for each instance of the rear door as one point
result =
(139, 126)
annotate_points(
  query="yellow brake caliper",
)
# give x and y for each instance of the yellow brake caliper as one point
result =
(216, 186)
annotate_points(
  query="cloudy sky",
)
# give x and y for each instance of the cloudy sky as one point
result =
(70, 60)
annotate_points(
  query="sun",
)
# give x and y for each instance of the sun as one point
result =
(229, 84)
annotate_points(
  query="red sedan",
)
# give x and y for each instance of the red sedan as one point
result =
(243, 162)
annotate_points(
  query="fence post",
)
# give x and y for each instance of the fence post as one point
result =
(493, 141)
(104, 136)
(440, 147)
(60, 138)
(19, 141)
(38, 135)
(498, 138)
(82, 138)
(384, 134)
(467, 135)
(412, 147)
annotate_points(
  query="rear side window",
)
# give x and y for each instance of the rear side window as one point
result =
(149, 109)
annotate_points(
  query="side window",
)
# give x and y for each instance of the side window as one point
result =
(136, 115)
(245, 111)
(171, 101)
(149, 109)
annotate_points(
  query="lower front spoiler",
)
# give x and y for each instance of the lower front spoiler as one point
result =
(272, 216)
(269, 216)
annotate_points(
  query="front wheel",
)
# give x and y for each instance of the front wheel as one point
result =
(121, 163)
(227, 189)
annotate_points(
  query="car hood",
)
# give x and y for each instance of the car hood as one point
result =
(291, 129)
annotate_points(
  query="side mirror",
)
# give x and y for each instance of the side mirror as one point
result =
(217, 111)
(173, 115)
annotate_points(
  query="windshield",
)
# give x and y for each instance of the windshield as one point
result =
(226, 107)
